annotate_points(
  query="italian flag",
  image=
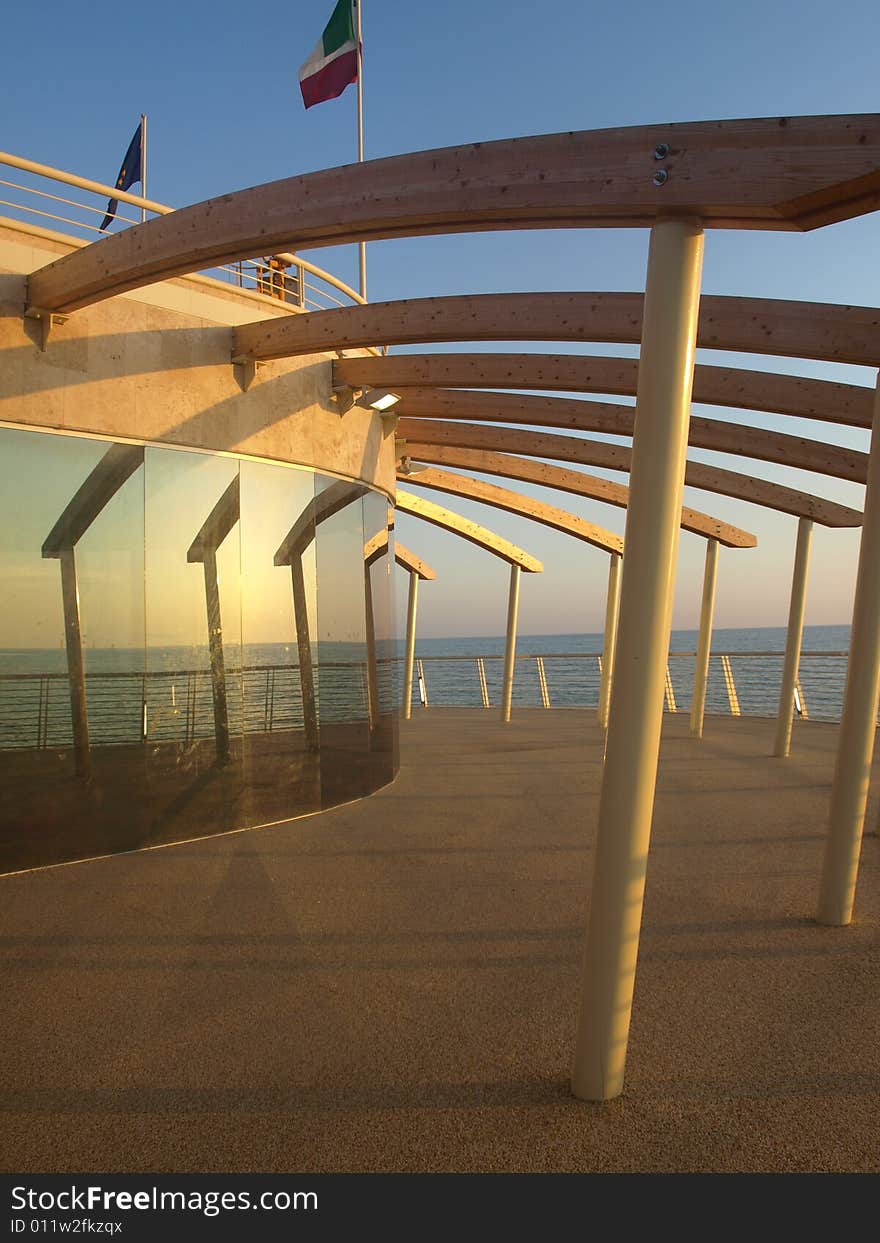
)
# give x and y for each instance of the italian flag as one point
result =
(333, 62)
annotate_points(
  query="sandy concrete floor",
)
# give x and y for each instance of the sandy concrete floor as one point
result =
(391, 985)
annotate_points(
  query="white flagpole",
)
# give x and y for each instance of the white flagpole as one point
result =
(143, 163)
(360, 86)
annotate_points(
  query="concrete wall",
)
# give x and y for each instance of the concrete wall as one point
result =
(154, 365)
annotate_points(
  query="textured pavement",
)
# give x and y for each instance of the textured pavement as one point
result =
(391, 985)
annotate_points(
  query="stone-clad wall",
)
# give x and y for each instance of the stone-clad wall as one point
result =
(154, 365)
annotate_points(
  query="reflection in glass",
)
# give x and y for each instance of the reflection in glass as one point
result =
(342, 664)
(188, 644)
(71, 668)
(279, 590)
(379, 610)
(193, 614)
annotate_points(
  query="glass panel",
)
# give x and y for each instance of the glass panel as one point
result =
(379, 584)
(194, 707)
(342, 666)
(131, 711)
(281, 757)
(72, 640)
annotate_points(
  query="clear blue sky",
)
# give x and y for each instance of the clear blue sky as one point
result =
(219, 82)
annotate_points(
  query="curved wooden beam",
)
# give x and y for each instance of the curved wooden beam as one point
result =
(422, 435)
(774, 173)
(96, 491)
(471, 531)
(851, 404)
(516, 503)
(415, 565)
(573, 481)
(327, 503)
(842, 334)
(377, 546)
(616, 420)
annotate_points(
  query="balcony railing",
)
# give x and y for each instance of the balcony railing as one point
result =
(740, 683)
(38, 194)
(177, 706)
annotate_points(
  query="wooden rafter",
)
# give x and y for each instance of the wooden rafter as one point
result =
(572, 481)
(422, 435)
(616, 420)
(799, 396)
(377, 547)
(516, 503)
(842, 334)
(769, 173)
(473, 532)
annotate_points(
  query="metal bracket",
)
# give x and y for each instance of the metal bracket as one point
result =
(389, 423)
(344, 396)
(47, 319)
(247, 369)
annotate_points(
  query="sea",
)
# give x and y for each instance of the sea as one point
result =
(165, 694)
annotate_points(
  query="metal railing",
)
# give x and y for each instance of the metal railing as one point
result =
(739, 684)
(285, 277)
(177, 705)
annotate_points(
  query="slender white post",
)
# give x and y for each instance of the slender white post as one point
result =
(143, 164)
(858, 722)
(610, 641)
(793, 638)
(409, 657)
(704, 643)
(626, 803)
(510, 649)
(362, 249)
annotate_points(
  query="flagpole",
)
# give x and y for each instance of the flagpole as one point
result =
(143, 163)
(360, 86)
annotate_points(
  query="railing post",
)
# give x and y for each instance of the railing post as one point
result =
(704, 644)
(606, 661)
(412, 605)
(302, 285)
(484, 686)
(730, 685)
(793, 638)
(542, 681)
(635, 717)
(669, 692)
(858, 722)
(510, 649)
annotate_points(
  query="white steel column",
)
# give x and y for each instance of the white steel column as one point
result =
(409, 658)
(610, 641)
(510, 650)
(362, 248)
(704, 643)
(858, 722)
(793, 638)
(652, 527)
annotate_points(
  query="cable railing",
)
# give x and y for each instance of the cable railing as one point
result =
(284, 277)
(176, 705)
(739, 683)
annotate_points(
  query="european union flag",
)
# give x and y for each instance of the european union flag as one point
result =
(128, 174)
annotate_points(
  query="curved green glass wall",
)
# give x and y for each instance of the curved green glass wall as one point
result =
(189, 643)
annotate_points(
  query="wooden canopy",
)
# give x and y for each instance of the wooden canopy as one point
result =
(802, 397)
(830, 333)
(770, 173)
